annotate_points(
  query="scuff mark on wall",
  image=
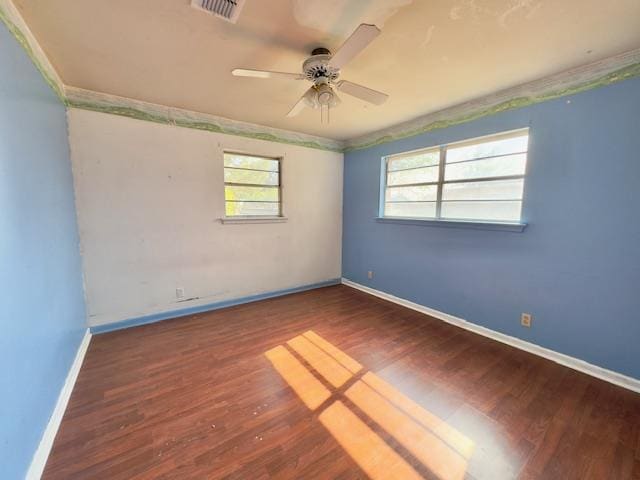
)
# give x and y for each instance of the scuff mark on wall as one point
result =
(532, 11)
(455, 12)
(474, 10)
(469, 9)
(428, 36)
(530, 6)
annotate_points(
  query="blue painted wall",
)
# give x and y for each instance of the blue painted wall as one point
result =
(42, 316)
(576, 268)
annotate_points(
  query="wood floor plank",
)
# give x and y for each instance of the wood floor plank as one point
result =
(202, 397)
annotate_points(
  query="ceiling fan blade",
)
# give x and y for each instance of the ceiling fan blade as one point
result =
(243, 72)
(363, 93)
(300, 104)
(357, 42)
(296, 109)
(309, 99)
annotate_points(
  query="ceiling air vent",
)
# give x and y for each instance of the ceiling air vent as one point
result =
(226, 9)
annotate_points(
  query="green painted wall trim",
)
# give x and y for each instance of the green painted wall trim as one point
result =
(22, 40)
(139, 114)
(625, 73)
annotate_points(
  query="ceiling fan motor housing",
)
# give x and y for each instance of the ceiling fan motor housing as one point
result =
(317, 69)
(321, 51)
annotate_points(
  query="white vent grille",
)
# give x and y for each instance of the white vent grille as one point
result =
(226, 9)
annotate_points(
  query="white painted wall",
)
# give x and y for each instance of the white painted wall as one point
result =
(149, 199)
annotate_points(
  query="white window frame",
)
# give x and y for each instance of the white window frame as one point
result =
(234, 219)
(441, 182)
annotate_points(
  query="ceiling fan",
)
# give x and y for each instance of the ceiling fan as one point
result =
(323, 69)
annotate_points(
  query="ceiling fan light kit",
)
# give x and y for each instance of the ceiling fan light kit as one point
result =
(323, 70)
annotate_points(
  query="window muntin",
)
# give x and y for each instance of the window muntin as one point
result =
(425, 158)
(413, 176)
(251, 186)
(476, 180)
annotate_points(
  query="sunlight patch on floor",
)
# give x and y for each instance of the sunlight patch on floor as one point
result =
(439, 447)
(369, 451)
(310, 390)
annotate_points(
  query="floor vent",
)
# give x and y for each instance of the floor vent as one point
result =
(227, 9)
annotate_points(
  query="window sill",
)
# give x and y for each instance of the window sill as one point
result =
(245, 220)
(499, 226)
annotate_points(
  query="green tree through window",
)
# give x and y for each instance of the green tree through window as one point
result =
(251, 185)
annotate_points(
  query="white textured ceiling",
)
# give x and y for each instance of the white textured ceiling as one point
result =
(431, 53)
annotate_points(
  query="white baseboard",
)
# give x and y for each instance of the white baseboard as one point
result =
(571, 362)
(46, 442)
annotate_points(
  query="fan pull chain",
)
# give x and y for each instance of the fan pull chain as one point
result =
(324, 114)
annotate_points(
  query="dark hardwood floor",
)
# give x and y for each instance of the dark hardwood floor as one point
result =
(335, 384)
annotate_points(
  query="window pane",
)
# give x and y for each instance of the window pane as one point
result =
(492, 190)
(414, 160)
(419, 175)
(412, 194)
(488, 148)
(247, 161)
(491, 167)
(251, 177)
(501, 211)
(252, 208)
(414, 210)
(251, 193)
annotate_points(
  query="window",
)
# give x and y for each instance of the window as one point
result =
(251, 186)
(476, 180)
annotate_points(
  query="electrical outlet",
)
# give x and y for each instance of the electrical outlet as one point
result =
(370, 274)
(179, 292)
(525, 320)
